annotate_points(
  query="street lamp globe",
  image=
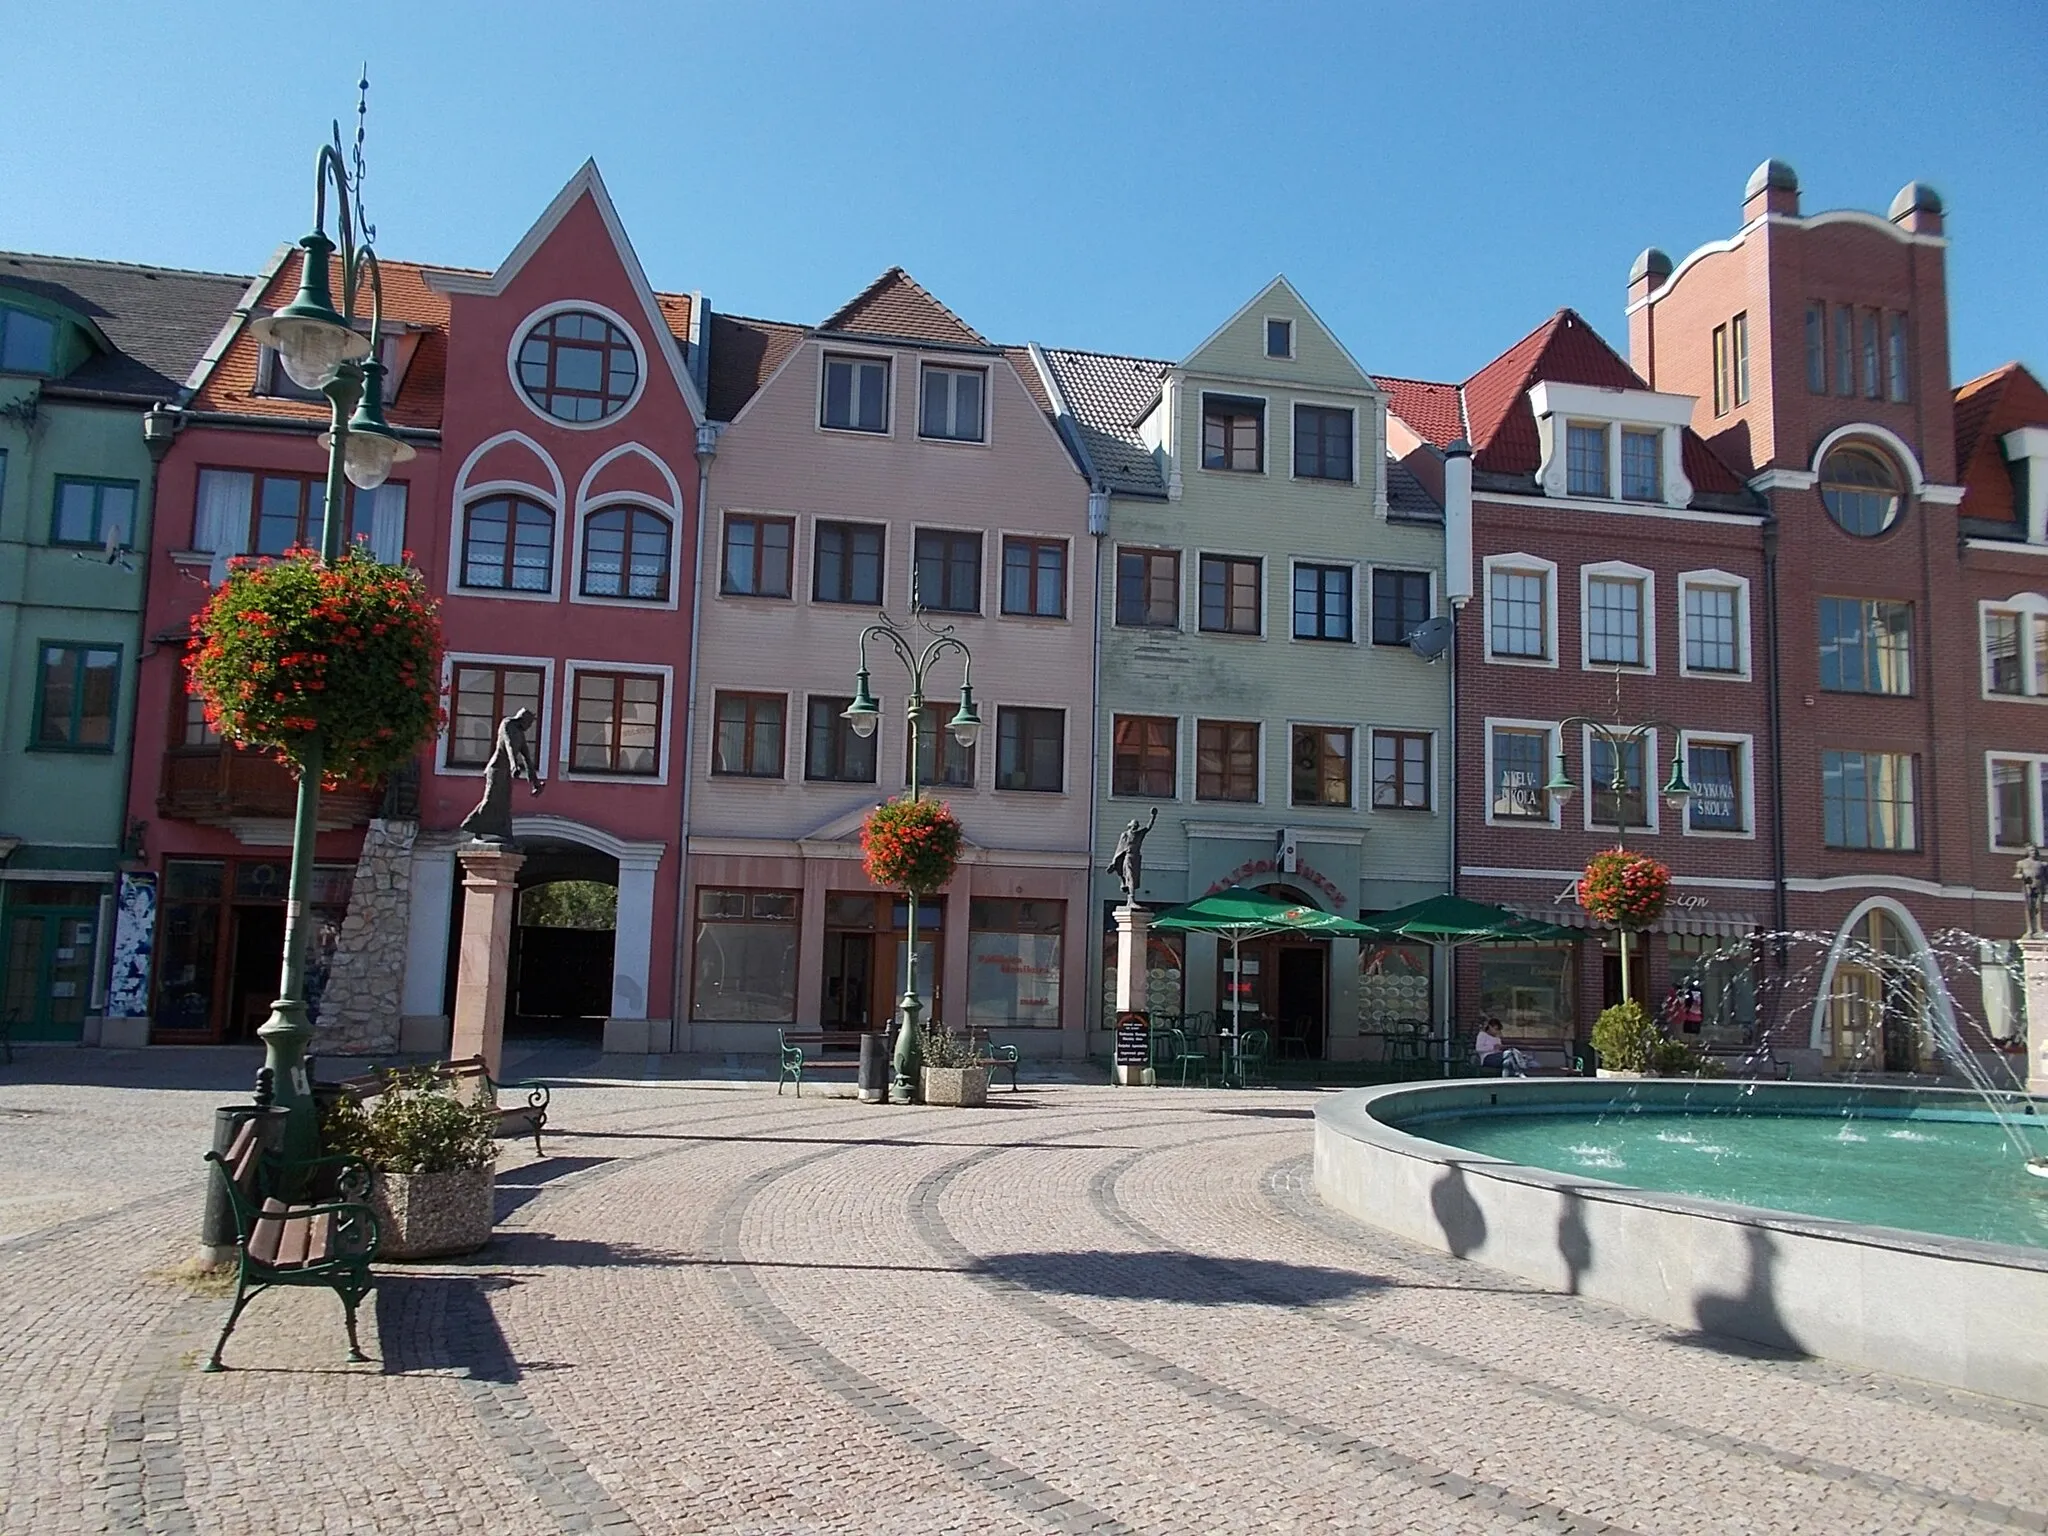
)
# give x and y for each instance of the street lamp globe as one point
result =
(310, 339)
(1561, 788)
(372, 448)
(966, 722)
(1676, 790)
(863, 714)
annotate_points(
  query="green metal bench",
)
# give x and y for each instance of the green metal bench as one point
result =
(282, 1241)
(470, 1074)
(999, 1057)
(793, 1043)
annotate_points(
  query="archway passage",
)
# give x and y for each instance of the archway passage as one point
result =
(1283, 986)
(1877, 999)
(563, 942)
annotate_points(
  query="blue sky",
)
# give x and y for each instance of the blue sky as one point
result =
(1435, 177)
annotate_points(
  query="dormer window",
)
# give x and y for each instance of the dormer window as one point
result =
(1586, 459)
(856, 394)
(1642, 468)
(1279, 338)
(28, 343)
(1233, 434)
(952, 404)
(272, 380)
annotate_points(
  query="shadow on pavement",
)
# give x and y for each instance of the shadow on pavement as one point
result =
(1191, 1279)
(429, 1322)
(519, 1185)
(1253, 1112)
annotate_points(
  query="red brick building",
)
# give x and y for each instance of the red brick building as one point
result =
(1614, 573)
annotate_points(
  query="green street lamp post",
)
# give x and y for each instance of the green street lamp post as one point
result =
(864, 714)
(1618, 738)
(323, 349)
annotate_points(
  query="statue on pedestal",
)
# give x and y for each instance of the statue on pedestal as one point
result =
(1128, 862)
(512, 758)
(2032, 873)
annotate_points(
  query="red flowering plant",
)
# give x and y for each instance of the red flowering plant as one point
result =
(291, 650)
(1624, 889)
(911, 845)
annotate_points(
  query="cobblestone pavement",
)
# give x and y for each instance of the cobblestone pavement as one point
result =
(711, 1309)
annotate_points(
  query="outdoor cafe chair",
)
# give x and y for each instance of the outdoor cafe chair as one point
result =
(1254, 1057)
(1189, 1053)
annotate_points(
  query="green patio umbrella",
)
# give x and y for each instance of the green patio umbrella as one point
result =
(1238, 914)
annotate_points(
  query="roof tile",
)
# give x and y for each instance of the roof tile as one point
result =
(1987, 408)
(1433, 410)
(894, 305)
(160, 319)
(744, 353)
(1109, 395)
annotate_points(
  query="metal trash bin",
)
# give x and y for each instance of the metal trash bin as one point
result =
(875, 1067)
(1585, 1060)
(217, 1220)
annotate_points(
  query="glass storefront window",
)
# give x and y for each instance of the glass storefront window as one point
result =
(193, 877)
(1530, 989)
(1013, 964)
(1393, 983)
(746, 957)
(1713, 987)
(1165, 971)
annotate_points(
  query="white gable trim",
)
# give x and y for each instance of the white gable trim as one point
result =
(1367, 384)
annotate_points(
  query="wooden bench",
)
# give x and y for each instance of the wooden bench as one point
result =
(472, 1077)
(1555, 1057)
(1760, 1059)
(794, 1043)
(998, 1057)
(280, 1240)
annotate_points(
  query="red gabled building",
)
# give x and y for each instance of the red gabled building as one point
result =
(555, 404)
(1613, 569)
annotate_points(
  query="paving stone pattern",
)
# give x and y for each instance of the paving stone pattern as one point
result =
(707, 1308)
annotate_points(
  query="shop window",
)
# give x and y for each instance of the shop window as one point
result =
(746, 957)
(1530, 989)
(1014, 956)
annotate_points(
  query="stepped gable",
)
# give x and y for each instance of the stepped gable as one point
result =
(1109, 395)
(160, 320)
(1435, 411)
(1986, 408)
(895, 306)
(744, 355)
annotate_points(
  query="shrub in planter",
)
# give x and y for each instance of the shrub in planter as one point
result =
(953, 1072)
(1679, 1058)
(432, 1155)
(1625, 1038)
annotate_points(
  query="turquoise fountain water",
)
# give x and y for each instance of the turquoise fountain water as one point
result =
(1945, 1172)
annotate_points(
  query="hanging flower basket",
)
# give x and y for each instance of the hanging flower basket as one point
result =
(1624, 889)
(911, 845)
(291, 650)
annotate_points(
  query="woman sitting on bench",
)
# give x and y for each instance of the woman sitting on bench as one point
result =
(1494, 1056)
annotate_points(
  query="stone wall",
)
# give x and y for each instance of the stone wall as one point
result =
(358, 1013)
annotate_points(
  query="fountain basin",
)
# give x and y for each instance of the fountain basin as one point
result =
(1946, 1309)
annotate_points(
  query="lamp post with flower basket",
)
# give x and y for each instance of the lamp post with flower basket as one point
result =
(1624, 889)
(912, 843)
(329, 660)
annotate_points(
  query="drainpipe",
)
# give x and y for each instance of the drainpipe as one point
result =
(1098, 529)
(1774, 689)
(707, 450)
(1457, 593)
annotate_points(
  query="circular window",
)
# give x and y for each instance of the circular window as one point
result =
(1860, 490)
(578, 366)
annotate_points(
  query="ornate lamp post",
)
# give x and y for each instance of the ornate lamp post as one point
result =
(864, 714)
(323, 349)
(1618, 738)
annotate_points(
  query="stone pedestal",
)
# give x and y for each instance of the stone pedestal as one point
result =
(2034, 962)
(490, 877)
(1133, 936)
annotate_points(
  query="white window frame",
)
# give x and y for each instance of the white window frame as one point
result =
(573, 668)
(1652, 781)
(1524, 565)
(1294, 563)
(1194, 781)
(1646, 608)
(1201, 423)
(1610, 459)
(826, 357)
(1265, 565)
(2036, 764)
(603, 312)
(450, 660)
(1746, 789)
(1183, 786)
(1432, 785)
(1265, 334)
(1549, 729)
(554, 496)
(1357, 732)
(1725, 580)
(925, 369)
(1350, 408)
(2031, 608)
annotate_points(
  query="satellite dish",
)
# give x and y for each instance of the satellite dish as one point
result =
(1432, 637)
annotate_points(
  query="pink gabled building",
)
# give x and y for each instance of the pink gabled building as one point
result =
(890, 438)
(552, 508)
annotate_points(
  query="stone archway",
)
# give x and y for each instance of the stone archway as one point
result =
(1881, 997)
(564, 934)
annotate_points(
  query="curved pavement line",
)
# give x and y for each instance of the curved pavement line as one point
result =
(1103, 1196)
(1339, 1445)
(1293, 1197)
(145, 1463)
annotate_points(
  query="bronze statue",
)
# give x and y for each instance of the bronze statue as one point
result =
(2032, 873)
(1128, 862)
(512, 758)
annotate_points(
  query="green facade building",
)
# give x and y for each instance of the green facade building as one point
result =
(1263, 564)
(86, 348)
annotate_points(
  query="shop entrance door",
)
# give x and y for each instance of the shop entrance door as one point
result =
(1300, 996)
(49, 949)
(849, 981)
(257, 967)
(864, 938)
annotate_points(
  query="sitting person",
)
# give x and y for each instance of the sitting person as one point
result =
(1496, 1056)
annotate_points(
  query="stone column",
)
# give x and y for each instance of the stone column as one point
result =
(490, 875)
(1133, 992)
(2034, 962)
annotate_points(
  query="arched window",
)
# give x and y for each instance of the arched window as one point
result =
(578, 366)
(1877, 1004)
(625, 554)
(1860, 490)
(508, 545)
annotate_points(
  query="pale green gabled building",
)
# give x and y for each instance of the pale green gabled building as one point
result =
(86, 348)
(1262, 564)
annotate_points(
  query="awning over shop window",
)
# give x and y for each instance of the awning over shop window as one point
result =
(1695, 920)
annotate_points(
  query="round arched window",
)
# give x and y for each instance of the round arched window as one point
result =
(578, 366)
(625, 554)
(508, 543)
(1860, 490)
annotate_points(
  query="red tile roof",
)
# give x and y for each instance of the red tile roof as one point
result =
(744, 353)
(1434, 410)
(1020, 359)
(1987, 408)
(894, 305)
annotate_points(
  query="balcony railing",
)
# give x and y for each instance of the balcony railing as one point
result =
(219, 785)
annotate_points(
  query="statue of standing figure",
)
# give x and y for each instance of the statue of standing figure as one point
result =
(512, 758)
(1128, 862)
(2032, 873)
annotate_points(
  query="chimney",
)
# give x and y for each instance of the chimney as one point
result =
(1458, 523)
(1918, 208)
(1773, 188)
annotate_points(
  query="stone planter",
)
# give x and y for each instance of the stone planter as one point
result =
(957, 1087)
(1610, 1072)
(432, 1215)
